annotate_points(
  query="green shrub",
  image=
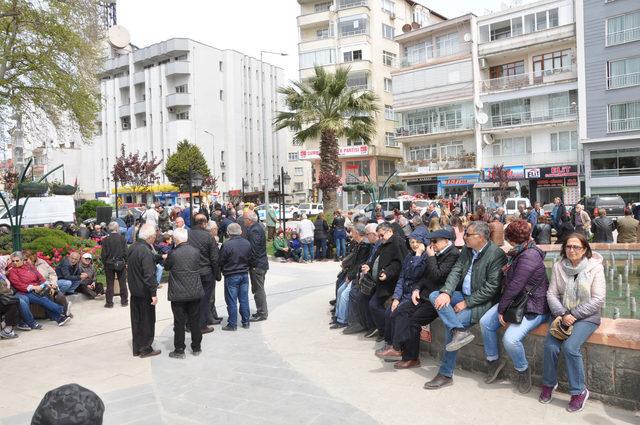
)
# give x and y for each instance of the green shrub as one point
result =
(88, 209)
(45, 240)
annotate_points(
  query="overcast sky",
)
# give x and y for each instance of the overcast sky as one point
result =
(244, 25)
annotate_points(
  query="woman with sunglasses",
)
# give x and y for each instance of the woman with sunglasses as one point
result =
(576, 294)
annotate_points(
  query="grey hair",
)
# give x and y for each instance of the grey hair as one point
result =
(482, 228)
(384, 226)
(234, 229)
(146, 231)
(360, 228)
(402, 221)
(416, 221)
(250, 215)
(371, 228)
(17, 254)
(212, 224)
(113, 227)
(180, 235)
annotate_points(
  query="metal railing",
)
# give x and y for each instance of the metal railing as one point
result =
(615, 172)
(418, 59)
(624, 80)
(438, 164)
(624, 124)
(346, 4)
(532, 117)
(462, 123)
(624, 36)
(359, 31)
(510, 82)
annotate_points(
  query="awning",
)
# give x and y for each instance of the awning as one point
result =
(492, 185)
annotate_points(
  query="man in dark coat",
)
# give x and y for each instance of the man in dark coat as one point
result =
(359, 255)
(471, 289)
(603, 227)
(201, 239)
(114, 257)
(185, 293)
(234, 261)
(259, 264)
(141, 274)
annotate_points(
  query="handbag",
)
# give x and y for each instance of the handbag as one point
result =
(118, 264)
(515, 311)
(367, 284)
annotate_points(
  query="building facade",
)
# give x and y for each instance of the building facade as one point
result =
(359, 34)
(156, 96)
(609, 36)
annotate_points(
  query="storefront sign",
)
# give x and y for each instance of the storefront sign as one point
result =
(551, 172)
(464, 180)
(425, 179)
(515, 172)
(343, 152)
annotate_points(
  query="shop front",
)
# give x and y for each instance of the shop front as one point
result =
(489, 193)
(547, 183)
(426, 185)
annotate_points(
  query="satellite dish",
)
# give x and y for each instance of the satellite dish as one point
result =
(479, 104)
(487, 139)
(482, 118)
(118, 36)
(467, 37)
(406, 28)
(415, 25)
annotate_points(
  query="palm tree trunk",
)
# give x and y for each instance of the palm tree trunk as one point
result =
(329, 167)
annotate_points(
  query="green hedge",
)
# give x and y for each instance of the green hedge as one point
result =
(88, 210)
(45, 240)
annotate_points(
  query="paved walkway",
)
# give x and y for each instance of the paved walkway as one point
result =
(290, 369)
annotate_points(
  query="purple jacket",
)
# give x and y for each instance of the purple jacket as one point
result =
(526, 270)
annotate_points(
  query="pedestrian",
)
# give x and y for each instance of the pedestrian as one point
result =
(235, 257)
(559, 211)
(628, 228)
(541, 232)
(581, 220)
(141, 274)
(603, 227)
(201, 239)
(320, 235)
(271, 220)
(185, 293)
(150, 216)
(306, 230)
(114, 257)
(258, 264)
(339, 234)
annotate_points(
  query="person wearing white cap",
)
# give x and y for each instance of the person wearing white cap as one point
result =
(88, 286)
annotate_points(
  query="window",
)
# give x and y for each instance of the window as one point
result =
(344, 4)
(298, 187)
(447, 44)
(388, 58)
(506, 70)
(512, 146)
(615, 162)
(423, 153)
(162, 62)
(322, 33)
(432, 120)
(388, 85)
(550, 63)
(182, 89)
(220, 66)
(420, 17)
(355, 142)
(385, 167)
(359, 168)
(418, 53)
(623, 28)
(388, 112)
(511, 112)
(390, 140)
(322, 7)
(318, 57)
(353, 25)
(294, 156)
(624, 117)
(182, 115)
(388, 31)
(298, 171)
(221, 95)
(358, 81)
(564, 141)
(181, 57)
(623, 73)
(388, 6)
(126, 123)
(355, 55)
(514, 27)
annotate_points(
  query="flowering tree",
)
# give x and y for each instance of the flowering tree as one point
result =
(502, 176)
(135, 171)
(9, 178)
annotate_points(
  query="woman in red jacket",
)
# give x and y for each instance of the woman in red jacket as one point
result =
(31, 287)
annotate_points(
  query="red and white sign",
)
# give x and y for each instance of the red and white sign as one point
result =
(343, 152)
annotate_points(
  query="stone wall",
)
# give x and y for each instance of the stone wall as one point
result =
(612, 370)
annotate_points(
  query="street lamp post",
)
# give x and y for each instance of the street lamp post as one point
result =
(115, 182)
(264, 125)
(283, 180)
(195, 179)
(213, 149)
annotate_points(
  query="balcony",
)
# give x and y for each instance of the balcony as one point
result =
(616, 172)
(625, 80)
(179, 99)
(139, 107)
(353, 33)
(461, 124)
(514, 82)
(138, 78)
(348, 4)
(547, 38)
(461, 162)
(124, 111)
(123, 82)
(415, 60)
(625, 36)
(625, 124)
(177, 68)
(535, 117)
(313, 19)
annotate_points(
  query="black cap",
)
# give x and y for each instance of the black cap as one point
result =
(69, 404)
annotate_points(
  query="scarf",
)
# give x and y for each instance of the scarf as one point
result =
(514, 252)
(577, 289)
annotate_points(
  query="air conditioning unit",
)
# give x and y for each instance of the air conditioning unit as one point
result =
(483, 63)
(126, 126)
(171, 109)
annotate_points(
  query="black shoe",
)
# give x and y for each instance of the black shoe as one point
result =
(460, 338)
(108, 306)
(258, 318)
(255, 315)
(216, 321)
(338, 325)
(206, 330)
(332, 302)
(177, 354)
(245, 326)
(124, 304)
(353, 329)
(438, 382)
(370, 334)
(196, 352)
(493, 370)
(524, 381)
(229, 328)
(150, 353)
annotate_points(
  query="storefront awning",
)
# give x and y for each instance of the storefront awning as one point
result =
(492, 185)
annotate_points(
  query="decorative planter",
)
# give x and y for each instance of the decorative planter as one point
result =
(349, 188)
(398, 187)
(33, 189)
(63, 189)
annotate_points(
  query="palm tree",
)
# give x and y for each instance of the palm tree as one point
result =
(323, 106)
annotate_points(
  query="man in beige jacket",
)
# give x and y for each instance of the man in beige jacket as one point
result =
(628, 228)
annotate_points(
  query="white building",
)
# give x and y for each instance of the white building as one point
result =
(156, 96)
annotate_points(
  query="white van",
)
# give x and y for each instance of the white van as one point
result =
(54, 210)
(511, 205)
(388, 205)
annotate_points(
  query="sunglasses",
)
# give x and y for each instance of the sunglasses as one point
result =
(16, 261)
(574, 247)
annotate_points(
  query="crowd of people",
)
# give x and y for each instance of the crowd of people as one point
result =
(484, 269)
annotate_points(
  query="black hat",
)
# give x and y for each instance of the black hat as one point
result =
(389, 217)
(69, 404)
(440, 234)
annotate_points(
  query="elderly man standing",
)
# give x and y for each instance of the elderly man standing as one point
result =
(234, 262)
(114, 255)
(185, 293)
(471, 289)
(259, 264)
(201, 239)
(141, 274)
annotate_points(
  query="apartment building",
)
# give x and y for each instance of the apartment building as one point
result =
(359, 34)
(609, 69)
(301, 172)
(436, 93)
(156, 96)
(529, 97)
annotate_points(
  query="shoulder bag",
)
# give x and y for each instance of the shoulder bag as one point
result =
(516, 309)
(367, 284)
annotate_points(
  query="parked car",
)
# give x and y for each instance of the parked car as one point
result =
(388, 205)
(53, 210)
(511, 205)
(613, 204)
(310, 209)
(288, 211)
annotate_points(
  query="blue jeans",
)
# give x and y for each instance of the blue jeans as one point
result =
(321, 250)
(341, 243)
(159, 270)
(512, 339)
(572, 357)
(342, 304)
(451, 320)
(68, 287)
(236, 288)
(54, 311)
(307, 251)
